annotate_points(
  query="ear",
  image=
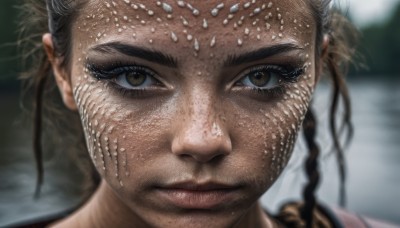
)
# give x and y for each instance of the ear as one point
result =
(322, 57)
(60, 74)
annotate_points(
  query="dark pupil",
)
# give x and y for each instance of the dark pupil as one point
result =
(260, 78)
(135, 78)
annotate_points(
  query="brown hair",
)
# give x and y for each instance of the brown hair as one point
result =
(48, 112)
(57, 16)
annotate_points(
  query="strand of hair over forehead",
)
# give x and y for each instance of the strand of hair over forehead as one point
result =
(60, 7)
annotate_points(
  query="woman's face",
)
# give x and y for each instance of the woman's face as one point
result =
(191, 108)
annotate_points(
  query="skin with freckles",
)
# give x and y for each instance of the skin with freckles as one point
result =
(190, 109)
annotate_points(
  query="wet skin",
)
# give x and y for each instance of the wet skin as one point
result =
(188, 118)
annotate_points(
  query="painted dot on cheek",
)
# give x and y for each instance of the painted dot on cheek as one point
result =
(195, 11)
(205, 23)
(220, 6)
(267, 26)
(134, 6)
(212, 42)
(255, 22)
(256, 11)
(246, 31)
(174, 37)
(184, 21)
(240, 42)
(196, 45)
(181, 3)
(214, 12)
(150, 12)
(234, 8)
(141, 6)
(166, 7)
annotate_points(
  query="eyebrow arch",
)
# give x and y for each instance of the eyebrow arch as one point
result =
(259, 54)
(135, 51)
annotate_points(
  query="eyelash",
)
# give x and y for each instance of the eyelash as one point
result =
(286, 74)
(111, 73)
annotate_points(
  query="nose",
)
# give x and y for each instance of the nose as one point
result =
(200, 136)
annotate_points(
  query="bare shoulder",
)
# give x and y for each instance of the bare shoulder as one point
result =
(350, 219)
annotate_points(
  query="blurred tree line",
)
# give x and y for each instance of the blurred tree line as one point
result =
(9, 66)
(379, 45)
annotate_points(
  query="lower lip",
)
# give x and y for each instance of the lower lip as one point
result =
(190, 199)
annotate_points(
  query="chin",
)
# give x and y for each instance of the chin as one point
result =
(199, 219)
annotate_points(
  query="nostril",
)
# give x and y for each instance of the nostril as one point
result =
(199, 158)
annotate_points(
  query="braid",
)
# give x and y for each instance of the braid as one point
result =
(311, 166)
(341, 35)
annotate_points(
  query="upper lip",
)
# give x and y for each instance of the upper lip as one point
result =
(199, 186)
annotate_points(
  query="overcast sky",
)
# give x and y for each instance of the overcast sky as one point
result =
(369, 11)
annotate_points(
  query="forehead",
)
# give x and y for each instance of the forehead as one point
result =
(197, 24)
(198, 8)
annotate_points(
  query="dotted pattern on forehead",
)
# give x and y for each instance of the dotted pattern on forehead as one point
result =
(220, 11)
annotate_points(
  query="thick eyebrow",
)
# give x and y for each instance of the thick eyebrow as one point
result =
(259, 54)
(139, 52)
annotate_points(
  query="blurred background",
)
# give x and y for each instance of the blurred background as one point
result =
(373, 180)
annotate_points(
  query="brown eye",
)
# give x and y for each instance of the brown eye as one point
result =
(260, 78)
(135, 78)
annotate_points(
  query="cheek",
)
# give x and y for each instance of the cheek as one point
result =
(112, 130)
(104, 145)
(266, 137)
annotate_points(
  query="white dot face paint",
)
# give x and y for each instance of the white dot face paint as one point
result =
(167, 8)
(205, 24)
(213, 41)
(174, 37)
(234, 8)
(165, 89)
